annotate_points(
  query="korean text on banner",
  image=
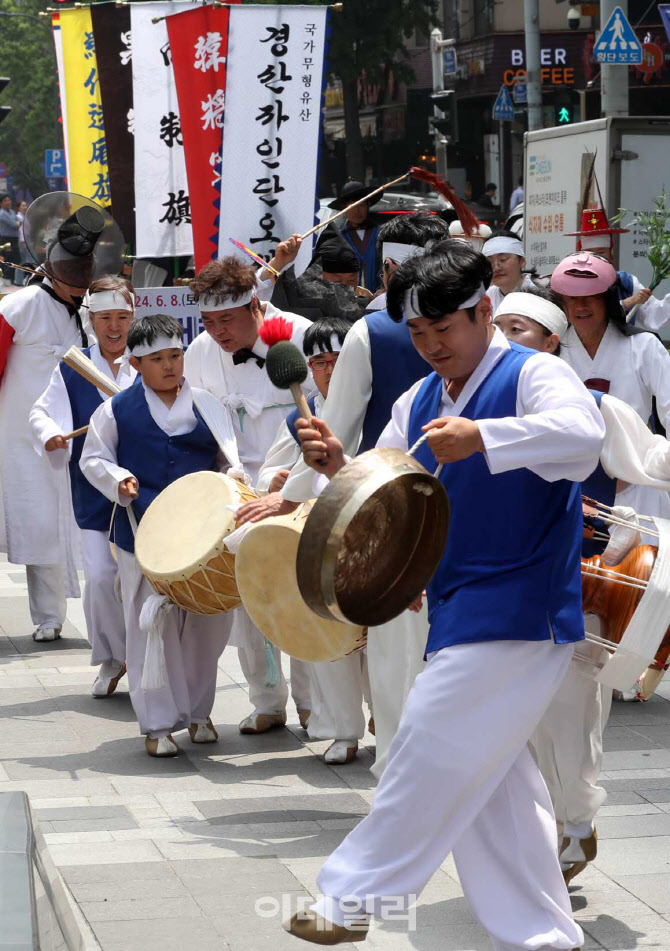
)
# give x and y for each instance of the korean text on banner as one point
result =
(85, 144)
(162, 202)
(199, 46)
(177, 302)
(271, 126)
(58, 44)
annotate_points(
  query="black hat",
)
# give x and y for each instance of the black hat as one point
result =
(74, 239)
(334, 254)
(312, 297)
(351, 192)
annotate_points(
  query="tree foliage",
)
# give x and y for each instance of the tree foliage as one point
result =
(28, 57)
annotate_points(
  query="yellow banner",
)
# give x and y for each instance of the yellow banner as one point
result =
(84, 130)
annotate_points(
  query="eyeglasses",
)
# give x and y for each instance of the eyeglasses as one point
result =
(322, 364)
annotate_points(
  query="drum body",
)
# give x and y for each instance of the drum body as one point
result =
(265, 567)
(179, 544)
(373, 539)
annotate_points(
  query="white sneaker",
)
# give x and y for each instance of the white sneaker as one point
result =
(108, 679)
(46, 634)
(341, 752)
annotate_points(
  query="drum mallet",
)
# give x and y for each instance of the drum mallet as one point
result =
(285, 364)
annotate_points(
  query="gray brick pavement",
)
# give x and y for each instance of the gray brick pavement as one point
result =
(173, 855)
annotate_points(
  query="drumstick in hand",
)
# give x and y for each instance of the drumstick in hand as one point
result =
(285, 364)
(77, 432)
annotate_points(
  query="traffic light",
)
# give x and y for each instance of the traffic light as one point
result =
(4, 110)
(446, 124)
(566, 107)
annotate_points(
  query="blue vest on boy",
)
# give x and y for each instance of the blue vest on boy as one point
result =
(396, 366)
(602, 488)
(511, 569)
(153, 457)
(294, 416)
(91, 509)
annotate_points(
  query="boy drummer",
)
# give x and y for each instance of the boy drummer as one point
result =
(139, 442)
(516, 433)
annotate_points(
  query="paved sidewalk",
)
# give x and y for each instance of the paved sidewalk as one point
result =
(165, 855)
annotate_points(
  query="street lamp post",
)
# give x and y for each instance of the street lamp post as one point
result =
(437, 45)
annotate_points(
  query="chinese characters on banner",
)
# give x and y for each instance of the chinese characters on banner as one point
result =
(85, 143)
(271, 126)
(199, 45)
(162, 201)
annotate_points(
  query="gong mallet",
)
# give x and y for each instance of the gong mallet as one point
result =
(285, 364)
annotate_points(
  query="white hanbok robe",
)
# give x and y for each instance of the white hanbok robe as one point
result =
(654, 313)
(637, 369)
(496, 296)
(52, 416)
(258, 410)
(38, 517)
(193, 643)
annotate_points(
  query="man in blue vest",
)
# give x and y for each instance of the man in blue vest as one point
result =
(516, 433)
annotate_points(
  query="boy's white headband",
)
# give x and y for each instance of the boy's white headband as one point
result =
(503, 245)
(537, 309)
(108, 300)
(162, 342)
(335, 347)
(209, 303)
(400, 252)
(411, 303)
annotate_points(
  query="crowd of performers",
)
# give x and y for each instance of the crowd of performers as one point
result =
(488, 731)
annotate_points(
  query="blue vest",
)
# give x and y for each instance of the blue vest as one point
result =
(396, 366)
(602, 488)
(91, 509)
(294, 416)
(369, 263)
(511, 569)
(153, 457)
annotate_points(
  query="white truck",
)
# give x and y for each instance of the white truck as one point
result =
(632, 166)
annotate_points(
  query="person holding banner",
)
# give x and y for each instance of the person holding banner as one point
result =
(228, 360)
(65, 406)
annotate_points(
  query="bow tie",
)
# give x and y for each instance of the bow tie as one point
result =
(241, 356)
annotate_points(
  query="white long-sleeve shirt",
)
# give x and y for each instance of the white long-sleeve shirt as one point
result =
(284, 452)
(654, 313)
(557, 433)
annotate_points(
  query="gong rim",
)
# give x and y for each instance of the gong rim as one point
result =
(366, 480)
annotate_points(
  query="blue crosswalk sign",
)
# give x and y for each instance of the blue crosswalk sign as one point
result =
(617, 44)
(503, 108)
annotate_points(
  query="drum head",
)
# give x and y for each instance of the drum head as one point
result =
(186, 524)
(373, 539)
(266, 579)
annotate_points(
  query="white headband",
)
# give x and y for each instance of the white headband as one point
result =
(209, 303)
(400, 252)
(503, 245)
(162, 342)
(482, 231)
(108, 300)
(410, 311)
(535, 308)
(591, 241)
(335, 347)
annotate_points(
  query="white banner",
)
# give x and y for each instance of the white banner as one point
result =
(162, 204)
(271, 126)
(175, 302)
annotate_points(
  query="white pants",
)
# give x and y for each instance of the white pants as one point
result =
(251, 650)
(460, 778)
(102, 610)
(568, 744)
(395, 658)
(46, 595)
(338, 691)
(193, 644)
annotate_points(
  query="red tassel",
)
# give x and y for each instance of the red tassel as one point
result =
(275, 329)
(467, 218)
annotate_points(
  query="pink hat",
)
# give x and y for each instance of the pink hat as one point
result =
(582, 274)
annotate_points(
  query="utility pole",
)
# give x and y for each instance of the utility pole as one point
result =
(437, 45)
(613, 79)
(531, 14)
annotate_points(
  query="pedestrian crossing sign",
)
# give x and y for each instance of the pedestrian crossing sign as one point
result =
(617, 44)
(503, 107)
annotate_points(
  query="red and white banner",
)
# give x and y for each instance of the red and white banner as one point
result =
(271, 126)
(199, 46)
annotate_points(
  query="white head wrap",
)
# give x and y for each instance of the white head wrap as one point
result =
(503, 245)
(411, 303)
(591, 241)
(162, 342)
(541, 311)
(108, 300)
(208, 303)
(335, 347)
(400, 252)
(480, 234)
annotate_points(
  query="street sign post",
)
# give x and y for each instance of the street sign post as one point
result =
(54, 163)
(450, 61)
(617, 44)
(503, 108)
(520, 90)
